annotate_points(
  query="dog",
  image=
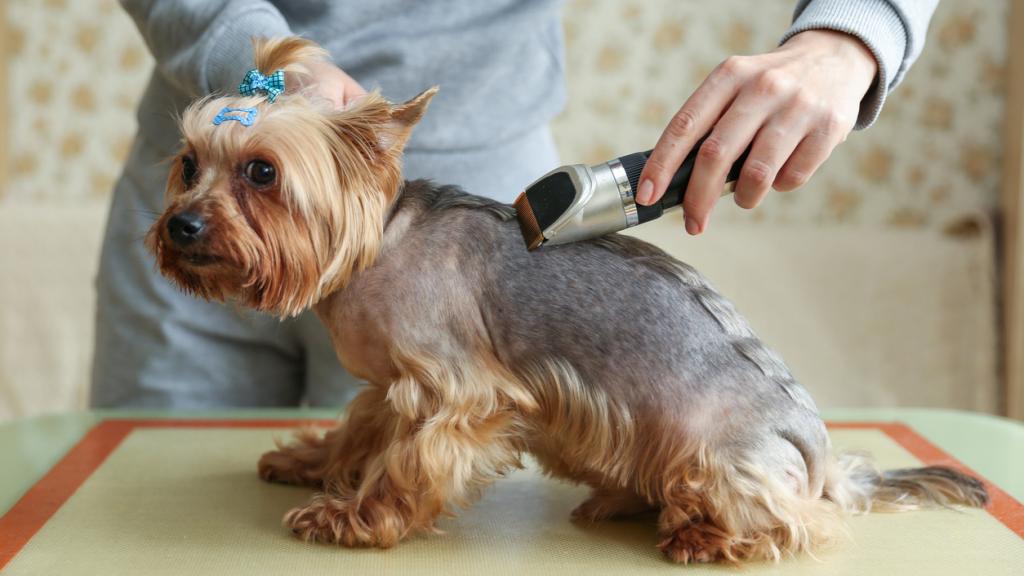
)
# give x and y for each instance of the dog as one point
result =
(611, 363)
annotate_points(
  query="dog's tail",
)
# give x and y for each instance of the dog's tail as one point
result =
(855, 485)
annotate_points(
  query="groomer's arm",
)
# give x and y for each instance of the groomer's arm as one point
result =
(830, 75)
(205, 46)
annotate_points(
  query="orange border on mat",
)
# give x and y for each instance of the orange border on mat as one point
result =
(45, 497)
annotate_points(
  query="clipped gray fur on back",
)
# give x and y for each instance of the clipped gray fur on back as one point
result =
(428, 197)
(621, 368)
(718, 307)
(431, 199)
(644, 329)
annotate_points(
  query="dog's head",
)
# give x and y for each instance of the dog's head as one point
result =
(276, 203)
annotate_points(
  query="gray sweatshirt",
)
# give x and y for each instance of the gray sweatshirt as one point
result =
(499, 62)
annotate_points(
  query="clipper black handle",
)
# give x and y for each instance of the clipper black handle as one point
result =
(634, 165)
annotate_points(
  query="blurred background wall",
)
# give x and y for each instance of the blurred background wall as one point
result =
(877, 281)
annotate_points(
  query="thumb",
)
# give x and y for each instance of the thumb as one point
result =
(353, 91)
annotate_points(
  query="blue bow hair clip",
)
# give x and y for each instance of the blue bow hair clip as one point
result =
(245, 116)
(254, 83)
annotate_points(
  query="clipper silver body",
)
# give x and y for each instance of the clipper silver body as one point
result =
(604, 203)
(580, 202)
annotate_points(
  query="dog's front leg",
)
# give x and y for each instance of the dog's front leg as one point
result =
(436, 454)
(339, 455)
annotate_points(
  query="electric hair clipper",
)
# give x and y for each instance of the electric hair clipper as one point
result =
(578, 202)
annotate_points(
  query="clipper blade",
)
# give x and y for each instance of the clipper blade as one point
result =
(544, 202)
(528, 222)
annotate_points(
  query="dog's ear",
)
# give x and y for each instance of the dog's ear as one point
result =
(377, 128)
(403, 118)
(409, 113)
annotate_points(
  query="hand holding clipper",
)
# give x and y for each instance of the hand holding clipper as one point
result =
(578, 202)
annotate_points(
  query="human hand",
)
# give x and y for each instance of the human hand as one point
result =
(795, 104)
(330, 82)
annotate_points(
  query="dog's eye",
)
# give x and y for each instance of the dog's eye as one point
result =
(189, 171)
(260, 172)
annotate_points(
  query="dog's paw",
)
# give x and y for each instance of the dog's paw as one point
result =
(331, 520)
(698, 543)
(605, 505)
(325, 520)
(282, 467)
(591, 510)
(587, 512)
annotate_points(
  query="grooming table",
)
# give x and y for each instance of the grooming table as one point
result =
(148, 493)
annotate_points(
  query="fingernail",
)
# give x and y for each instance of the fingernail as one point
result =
(692, 226)
(644, 192)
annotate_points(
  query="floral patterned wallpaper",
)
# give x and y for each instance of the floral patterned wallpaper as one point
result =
(77, 68)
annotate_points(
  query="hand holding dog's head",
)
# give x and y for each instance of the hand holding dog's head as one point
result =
(276, 203)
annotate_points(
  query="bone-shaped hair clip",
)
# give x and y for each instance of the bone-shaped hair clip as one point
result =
(245, 116)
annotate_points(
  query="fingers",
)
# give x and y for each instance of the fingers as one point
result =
(696, 117)
(331, 83)
(353, 90)
(811, 153)
(714, 159)
(745, 118)
(773, 145)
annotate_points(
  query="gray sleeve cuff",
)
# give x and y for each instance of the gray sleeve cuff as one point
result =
(878, 25)
(229, 53)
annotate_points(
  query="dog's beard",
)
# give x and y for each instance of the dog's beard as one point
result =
(201, 272)
(270, 266)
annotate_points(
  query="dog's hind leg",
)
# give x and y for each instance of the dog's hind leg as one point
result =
(745, 503)
(606, 503)
(300, 462)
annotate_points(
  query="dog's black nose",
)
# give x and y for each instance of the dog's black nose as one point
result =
(185, 228)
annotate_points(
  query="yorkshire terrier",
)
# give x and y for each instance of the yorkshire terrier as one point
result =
(611, 363)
